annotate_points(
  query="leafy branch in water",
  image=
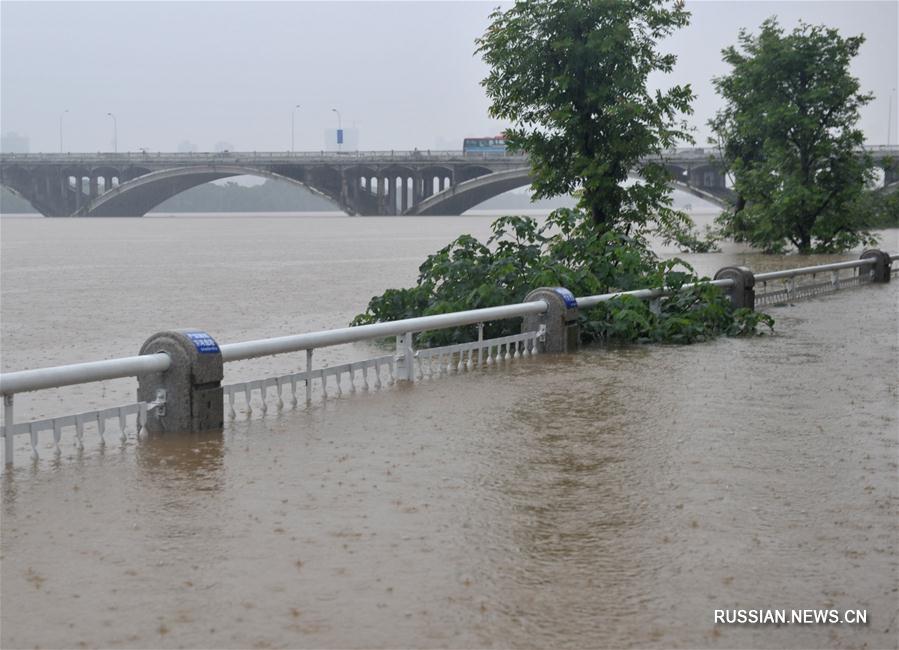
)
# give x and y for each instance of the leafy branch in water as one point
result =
(566, 250)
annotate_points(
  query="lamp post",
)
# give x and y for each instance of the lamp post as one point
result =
(339, 130)
(293, 115)
(115, 134)
(60, 128)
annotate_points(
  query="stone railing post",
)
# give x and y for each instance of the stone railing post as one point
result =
(882, 264)
(405, 358)
(192, 385)
(560, 319)
(742, 294)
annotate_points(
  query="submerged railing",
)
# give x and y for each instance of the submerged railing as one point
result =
(372, 373)
(788, 285)
(179, 373)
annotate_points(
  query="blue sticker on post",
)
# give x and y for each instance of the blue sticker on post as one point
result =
(567, 297)
(204, 343)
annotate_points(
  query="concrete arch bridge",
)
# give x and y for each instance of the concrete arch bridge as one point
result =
(360, 183)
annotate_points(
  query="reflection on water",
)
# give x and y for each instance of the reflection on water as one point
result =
(613, 498)
(196, 460)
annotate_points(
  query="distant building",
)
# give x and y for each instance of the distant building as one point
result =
(12, 142)
(223, 146)
(186, 146)
(350, 140)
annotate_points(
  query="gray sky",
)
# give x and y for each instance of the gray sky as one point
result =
(402, 72)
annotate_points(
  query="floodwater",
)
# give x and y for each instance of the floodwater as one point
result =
(613, 498)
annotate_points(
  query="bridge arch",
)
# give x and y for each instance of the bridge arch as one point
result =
(19, 181)
(467, 194)
(136, 197)
(702, 194)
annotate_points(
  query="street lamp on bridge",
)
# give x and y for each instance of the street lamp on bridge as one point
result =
(60, 128)
(293, 115)
(115, 134)
(339, 130)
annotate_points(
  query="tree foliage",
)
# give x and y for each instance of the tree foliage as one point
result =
(571, 77)
(878, 209)
(788, 135)
(564, 251)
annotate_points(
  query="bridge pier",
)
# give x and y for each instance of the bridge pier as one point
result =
(344, 192)
(390, 194)
(62, 194)
(79, 192)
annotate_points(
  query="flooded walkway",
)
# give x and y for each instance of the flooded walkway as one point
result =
(615, 498)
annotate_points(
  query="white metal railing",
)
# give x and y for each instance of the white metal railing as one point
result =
(325, 338)
(812, 270)
(646, 294)
(78, 373)
(399, 366)
(81, 373)
(434, 362)
(367, 369)
(804, 282)
(97, 420)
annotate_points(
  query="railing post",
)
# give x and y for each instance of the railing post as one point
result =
(405, 358)
(560, 319)
(194, 400)
(742, 294)
(308, 376)
(7, 434)
(881, 267)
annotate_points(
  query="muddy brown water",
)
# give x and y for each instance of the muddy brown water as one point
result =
(613, 498)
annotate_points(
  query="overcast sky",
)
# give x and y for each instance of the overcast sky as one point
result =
(403, 73)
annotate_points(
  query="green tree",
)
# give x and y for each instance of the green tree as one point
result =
(571, 77)
(788, 136)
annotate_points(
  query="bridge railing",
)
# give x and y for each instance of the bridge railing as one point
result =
(405, 363)
(689, 153)
(159, 157)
